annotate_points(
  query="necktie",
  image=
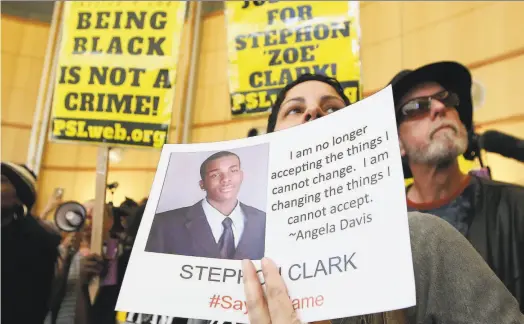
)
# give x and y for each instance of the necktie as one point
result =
(226, 243)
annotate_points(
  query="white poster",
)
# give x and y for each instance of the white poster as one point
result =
(324, 200)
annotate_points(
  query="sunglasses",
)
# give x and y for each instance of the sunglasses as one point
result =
(419, 106)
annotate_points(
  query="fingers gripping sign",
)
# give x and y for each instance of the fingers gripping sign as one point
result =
(280, 307)
(276, 306)
(255, 301)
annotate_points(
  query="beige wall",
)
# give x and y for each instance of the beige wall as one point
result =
(23, 49)
(486, 36)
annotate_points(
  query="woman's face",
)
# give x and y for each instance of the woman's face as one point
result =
(307, 101)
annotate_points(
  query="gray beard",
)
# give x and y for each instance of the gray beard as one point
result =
(440, 152)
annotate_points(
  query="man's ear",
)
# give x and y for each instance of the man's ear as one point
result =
(402, 150)
(201, 184)
(401, 145)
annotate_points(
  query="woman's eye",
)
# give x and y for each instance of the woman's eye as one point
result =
(293, 111)
(331, 110)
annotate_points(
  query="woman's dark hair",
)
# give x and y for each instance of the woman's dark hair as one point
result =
(272, 120)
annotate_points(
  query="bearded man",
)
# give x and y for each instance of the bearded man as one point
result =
(434, 115)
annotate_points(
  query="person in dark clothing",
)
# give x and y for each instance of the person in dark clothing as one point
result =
(102, 311)
(434, 115)
(29, 250)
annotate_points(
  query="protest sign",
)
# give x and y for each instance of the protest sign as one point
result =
(116, 72)
(325, 200)
(271, 43)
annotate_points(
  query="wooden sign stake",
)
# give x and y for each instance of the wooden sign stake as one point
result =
(97, 231)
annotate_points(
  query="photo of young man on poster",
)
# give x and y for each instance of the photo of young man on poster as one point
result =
(219, 225)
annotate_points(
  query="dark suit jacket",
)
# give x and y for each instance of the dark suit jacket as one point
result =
(185, 231)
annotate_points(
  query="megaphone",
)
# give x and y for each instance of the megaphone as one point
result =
(70, 216)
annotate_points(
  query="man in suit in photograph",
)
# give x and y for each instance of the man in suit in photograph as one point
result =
(218, 226)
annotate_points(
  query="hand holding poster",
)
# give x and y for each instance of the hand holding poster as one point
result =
(116, 72)
(325, 201)
(271, 43)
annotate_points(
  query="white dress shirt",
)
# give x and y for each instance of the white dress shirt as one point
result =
(215, 219)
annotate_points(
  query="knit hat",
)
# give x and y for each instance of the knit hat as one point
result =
(24, 181)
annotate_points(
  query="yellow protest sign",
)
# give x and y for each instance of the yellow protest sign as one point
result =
(271, 43)
(116, 72)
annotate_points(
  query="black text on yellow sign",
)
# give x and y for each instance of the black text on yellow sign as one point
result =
(124, 133)
(113, 102)
(117, 20)
(276, 42)
(116, 72)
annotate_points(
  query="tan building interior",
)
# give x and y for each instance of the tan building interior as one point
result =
(485, 36)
